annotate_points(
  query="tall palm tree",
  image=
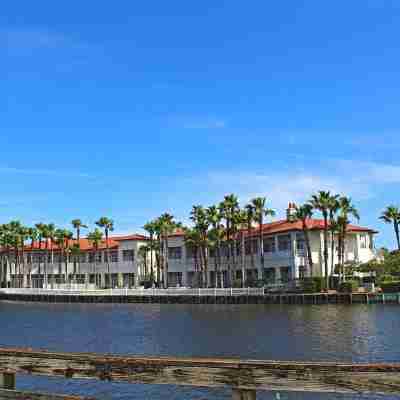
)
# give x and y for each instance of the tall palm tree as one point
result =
(193, 241)
(201, 224)
(347, 209)
(33, 235)
(95, 239)
(167, 225)
(50, 232)
(304, 214)
(151, 229)
(108, 225)
(322, 202)
(242, 220)
(391, 215)
(261, 211)
(333, 226)
(228, 208)
(41, 232)
(78, 225)
(249, 208)
(216, 235)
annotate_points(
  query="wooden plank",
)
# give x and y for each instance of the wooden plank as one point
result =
(208, 372)
(18, 395)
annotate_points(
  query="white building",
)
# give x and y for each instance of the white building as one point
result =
(284, 258)
(284, 253)
(45, 263)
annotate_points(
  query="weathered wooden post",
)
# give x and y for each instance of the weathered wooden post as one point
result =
(243, 394)
(7, 381)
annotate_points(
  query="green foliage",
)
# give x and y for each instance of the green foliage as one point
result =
(348, 286)
(390, 286)
(313, 285)
(237, 283)
(390, 267)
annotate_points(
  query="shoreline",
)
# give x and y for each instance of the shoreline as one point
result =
(122, 296)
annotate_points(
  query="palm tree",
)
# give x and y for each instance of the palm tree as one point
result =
(41, 231)
(261, 211)
(304, 213)
(322, 202)
(95, 239)
(167, 226)
(193, 241)
(33, 235)
(108, 225)
(249, 221)
(228, 208)
(78, 225)
(242, 220)
(202, 224)
(333, 226)
(151, 229)
(143, 253)
(50, 232)
(391, 215)
(216, 235)
(346, 209)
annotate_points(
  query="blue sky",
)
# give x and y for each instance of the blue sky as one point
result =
(130, 109)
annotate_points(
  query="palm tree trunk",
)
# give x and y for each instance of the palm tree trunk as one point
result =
(326, 256)
(396, 229)
(243, 258)
(108, 259)
(261, 240)
(332, 252)
(308, 249)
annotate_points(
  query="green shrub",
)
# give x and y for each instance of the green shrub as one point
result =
(390, 286)
(349, 286)
(313, 285)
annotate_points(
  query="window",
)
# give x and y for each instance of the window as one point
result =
(302, 271)
(363, 241)
(285, 274)
(269, 245)
(284, 243)
(190, 251)
(300, 243)
(128, 255)
(82, 257)
(114, 256)
(175, 253)
(251, 246)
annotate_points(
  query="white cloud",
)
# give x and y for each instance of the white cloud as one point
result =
(358, 180)
(207, 124)
(43, 172)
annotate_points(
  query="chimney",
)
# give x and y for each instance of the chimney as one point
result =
(291, 212)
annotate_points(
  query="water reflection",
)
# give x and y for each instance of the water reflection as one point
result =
(329, 332)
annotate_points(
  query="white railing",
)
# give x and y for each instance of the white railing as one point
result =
(138, 292)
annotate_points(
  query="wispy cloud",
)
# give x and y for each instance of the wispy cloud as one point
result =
(205, 124)
(353, 178)
(44, 172)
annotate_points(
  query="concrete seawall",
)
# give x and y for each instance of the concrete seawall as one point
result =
(109, 297)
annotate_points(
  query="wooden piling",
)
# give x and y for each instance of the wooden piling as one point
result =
(243, 394)
(7, 380)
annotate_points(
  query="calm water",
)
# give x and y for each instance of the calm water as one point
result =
(329, 332)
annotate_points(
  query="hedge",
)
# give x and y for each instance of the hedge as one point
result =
(313, 285)
(348, 286)
(390, 286)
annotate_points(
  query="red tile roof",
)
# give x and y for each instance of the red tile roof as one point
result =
(282, 226)
(134, 236)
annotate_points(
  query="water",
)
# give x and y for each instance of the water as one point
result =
(358, 333)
